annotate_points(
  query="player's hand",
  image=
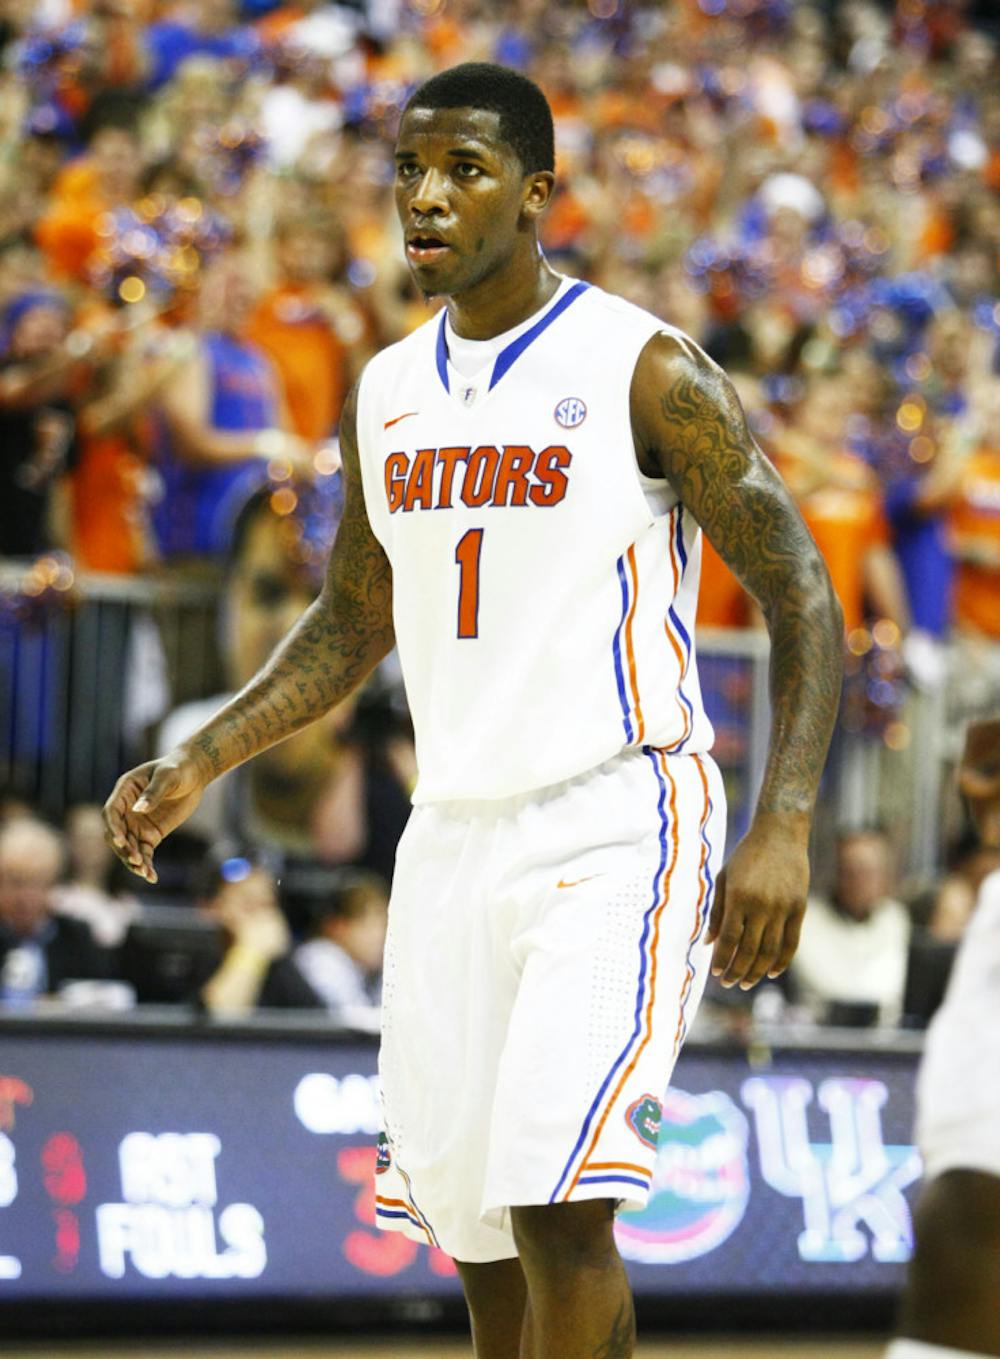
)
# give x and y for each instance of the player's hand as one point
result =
(760, 900)
(148, 803)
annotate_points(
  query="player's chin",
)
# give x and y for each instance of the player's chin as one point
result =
(437, 279)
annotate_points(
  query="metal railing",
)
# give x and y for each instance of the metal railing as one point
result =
(90, 665)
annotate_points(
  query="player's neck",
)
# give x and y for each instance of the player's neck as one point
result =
(504, 299)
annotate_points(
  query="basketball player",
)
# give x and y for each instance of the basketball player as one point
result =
(951, 1308)
(527, 477)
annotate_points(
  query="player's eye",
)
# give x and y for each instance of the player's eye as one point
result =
(406, 169)
(465, 169)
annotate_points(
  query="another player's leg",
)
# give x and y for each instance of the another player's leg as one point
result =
(496, 1294)
(953, 1288)
(580, 1301)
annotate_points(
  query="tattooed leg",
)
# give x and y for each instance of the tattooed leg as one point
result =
(581, 1305)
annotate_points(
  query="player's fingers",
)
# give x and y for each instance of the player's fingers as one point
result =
(116, 808)
(718, 909)
(789, 943)
(767, 952)
(146, 869)
(730, 934)
(740, 962)
(164, 782)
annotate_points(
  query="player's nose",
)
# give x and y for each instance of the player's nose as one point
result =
(429, 196)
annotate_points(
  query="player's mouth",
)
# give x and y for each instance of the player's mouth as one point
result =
(425, 247)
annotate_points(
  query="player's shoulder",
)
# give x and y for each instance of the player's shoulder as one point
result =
(615, 314)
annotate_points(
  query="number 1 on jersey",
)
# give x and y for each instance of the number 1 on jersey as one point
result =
(467, 554)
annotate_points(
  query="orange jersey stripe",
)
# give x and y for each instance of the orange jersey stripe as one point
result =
(629, 649)
(664, 896)
(676, 646)
(620, 1165)
(415, 1217)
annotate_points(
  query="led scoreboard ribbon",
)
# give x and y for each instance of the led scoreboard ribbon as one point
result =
(145, 1164)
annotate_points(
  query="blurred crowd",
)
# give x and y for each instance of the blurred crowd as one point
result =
(198, 253)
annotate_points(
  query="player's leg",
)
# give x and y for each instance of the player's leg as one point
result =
(580, 1300)
(496, 1295)
(954, 1281)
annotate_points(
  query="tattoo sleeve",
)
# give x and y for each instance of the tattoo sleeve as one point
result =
(689, 424)
(336, 643)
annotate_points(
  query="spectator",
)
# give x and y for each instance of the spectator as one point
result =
(92, 889)
(39, 950)
(310, 327)
(223, 421)
(839, 500)
(37, 424)
(107, 177)
(325, 792)
(257, 968)
(974, 532)
(852, 956)
(111, 484)
(975, 525)
(209, 28)
(342, 960)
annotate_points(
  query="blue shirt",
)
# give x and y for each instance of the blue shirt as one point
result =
(200, 503)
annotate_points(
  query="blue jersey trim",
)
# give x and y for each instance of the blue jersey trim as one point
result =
(442, 353)
(509, 356)
(612, 1179)
(617, 653)
(516, 348)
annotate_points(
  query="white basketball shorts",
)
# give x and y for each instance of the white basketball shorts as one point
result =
(958, 1089)
(545, 957)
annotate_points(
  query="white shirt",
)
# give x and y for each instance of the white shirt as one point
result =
(857, 961)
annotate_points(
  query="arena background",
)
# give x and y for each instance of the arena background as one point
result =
(198, 198)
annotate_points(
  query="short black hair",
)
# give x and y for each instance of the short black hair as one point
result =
(525, 116)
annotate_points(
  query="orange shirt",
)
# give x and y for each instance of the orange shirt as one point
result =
(310, 357)
(107, 505)
(67, 233)
(975, 520)
(846, 520)
(722, 600)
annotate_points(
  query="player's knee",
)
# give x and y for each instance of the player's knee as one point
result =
(565, 1238)
(957, 1226)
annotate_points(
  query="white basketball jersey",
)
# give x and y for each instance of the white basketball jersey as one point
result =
(544, 591)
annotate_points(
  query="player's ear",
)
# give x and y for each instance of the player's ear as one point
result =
(538, 188)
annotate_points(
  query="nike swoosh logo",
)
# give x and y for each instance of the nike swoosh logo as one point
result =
(395, 421)
(577, 881)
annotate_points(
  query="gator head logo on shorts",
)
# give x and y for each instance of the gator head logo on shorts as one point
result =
(383, 1156)
(701, 1182)
(644, 1118)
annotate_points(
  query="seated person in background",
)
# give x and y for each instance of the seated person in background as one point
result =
(854, 946)
(321, 794)
(257, 969)
(342, 961)
(39, 950)
(953, 901)
(92, 889)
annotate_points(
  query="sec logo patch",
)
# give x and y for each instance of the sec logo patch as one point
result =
(570, 412)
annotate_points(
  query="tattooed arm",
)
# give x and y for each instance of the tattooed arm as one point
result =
(690, 428)
(339, 640)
